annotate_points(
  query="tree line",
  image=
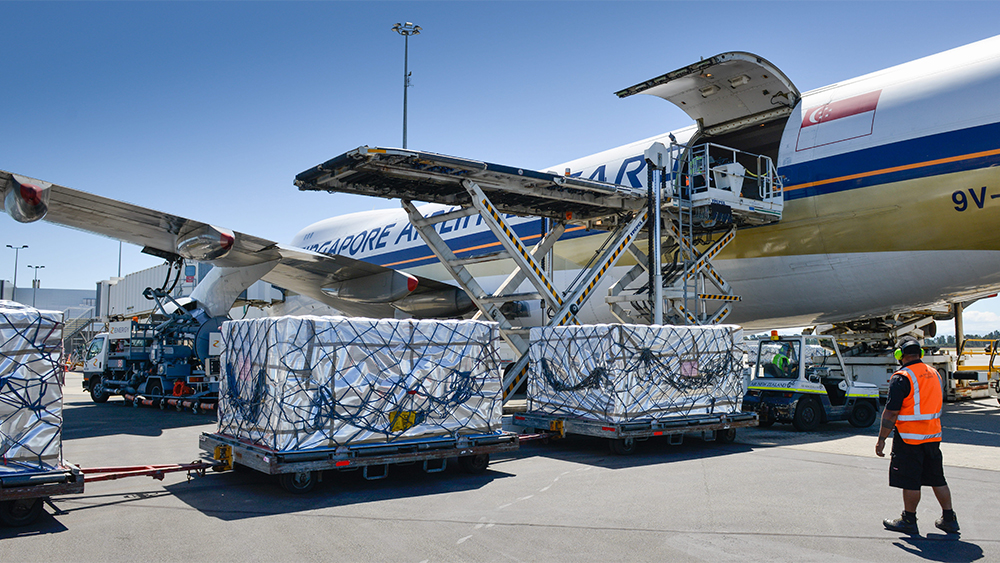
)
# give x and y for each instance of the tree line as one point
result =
(950, 340)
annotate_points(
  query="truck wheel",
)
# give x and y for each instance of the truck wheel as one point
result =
(474, 464)
(98, 393)
(807, 415)
(623, 446)
(153, 391)
(299, 483)
(20, 512)
(862, 415)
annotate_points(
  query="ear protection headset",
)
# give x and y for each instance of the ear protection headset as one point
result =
(906, 343)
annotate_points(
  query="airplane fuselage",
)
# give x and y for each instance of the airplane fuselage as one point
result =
(891, 186)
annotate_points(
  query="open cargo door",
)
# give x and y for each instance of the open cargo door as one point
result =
(725, 93)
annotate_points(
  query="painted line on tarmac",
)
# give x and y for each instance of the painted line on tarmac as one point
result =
(973, 431)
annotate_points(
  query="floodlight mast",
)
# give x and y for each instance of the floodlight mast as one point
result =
(17, 250)
(406, 30)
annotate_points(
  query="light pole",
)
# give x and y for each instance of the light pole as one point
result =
(34, 283)
(406, 30)
(17, 249)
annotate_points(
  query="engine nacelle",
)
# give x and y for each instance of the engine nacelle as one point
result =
(26, 200)
(205, 243)
(444, 303)
(383, 287)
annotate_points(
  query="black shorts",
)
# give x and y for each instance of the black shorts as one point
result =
(915, 465)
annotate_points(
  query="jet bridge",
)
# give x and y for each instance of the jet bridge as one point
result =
(696, 193)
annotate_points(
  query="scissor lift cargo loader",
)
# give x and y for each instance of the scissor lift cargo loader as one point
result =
(491, 190)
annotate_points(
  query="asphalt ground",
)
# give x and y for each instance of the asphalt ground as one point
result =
(773, 495)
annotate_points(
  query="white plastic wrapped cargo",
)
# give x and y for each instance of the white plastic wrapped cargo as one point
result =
(620, 373)
(30, 388)
(295, 383)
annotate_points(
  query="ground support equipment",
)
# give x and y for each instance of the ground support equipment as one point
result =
(624, 436)
(22, 494)
(300, 471)
(699, 189)
(709, 194)
(170, 402)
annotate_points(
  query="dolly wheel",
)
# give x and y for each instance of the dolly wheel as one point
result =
(765, 419)
(20, 512)
(727, 436)
(623, 446)
(299, 483)
(474, 464)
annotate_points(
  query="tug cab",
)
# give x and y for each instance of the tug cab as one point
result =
(802, 380)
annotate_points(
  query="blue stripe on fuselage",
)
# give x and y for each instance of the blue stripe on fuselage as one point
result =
(918, 156)
(470, 245)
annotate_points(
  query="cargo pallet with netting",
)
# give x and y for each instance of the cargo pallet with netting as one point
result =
(632, 382)
(301, 395)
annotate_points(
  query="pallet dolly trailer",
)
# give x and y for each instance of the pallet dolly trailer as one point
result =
(23, 493)
(623, 437)
(299, 471)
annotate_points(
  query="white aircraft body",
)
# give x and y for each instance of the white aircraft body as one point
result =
(891, 188)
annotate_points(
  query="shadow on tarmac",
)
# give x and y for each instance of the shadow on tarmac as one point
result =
(590, 450)
(84, 419)
(46, 524)
(940, 547)
(247, 493)
(975, 423)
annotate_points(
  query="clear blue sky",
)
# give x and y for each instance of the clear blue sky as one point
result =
(208, 110)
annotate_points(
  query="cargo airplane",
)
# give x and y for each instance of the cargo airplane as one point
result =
(891, 198)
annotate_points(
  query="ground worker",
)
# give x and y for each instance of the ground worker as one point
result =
(784, 360)
(914, 410)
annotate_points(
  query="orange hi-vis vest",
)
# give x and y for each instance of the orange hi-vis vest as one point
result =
(920, 418)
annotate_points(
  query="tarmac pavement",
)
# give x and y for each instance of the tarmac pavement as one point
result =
(773, 495)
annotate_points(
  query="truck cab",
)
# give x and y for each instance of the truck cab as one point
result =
(802, 380)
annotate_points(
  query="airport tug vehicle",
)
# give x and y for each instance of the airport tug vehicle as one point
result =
(803, 380)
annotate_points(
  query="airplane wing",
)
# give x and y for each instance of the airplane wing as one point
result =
(351, 286)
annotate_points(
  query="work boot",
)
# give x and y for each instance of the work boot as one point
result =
(947, 525)
(903, 525)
